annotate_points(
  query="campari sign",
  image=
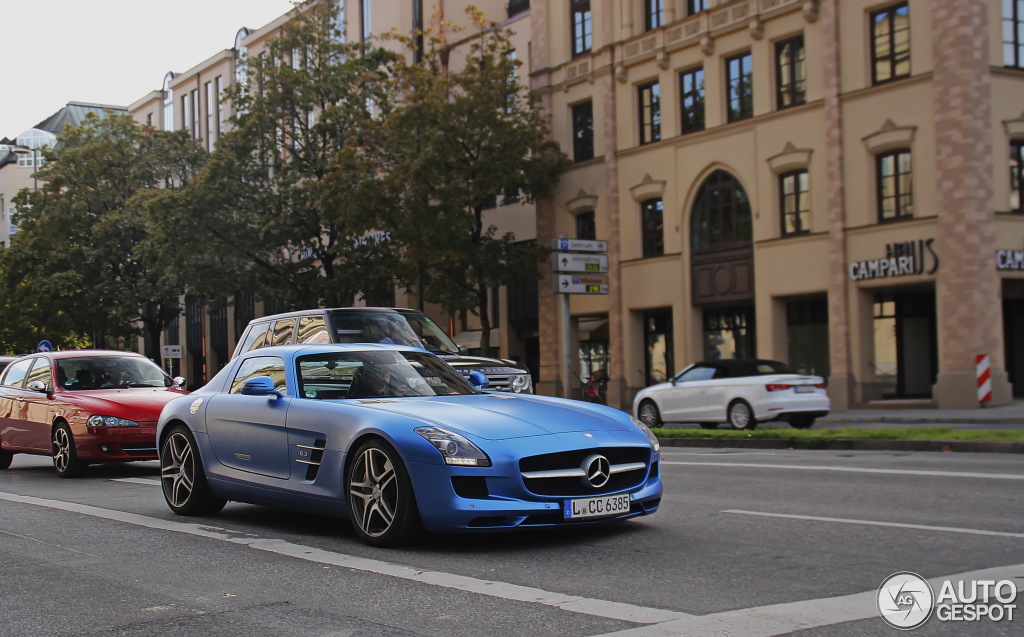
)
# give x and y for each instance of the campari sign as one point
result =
(903, 258)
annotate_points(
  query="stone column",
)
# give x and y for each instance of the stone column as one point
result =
(968, 285)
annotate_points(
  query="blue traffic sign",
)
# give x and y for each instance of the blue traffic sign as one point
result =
(44, 346)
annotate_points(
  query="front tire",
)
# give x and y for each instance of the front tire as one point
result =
(741, 415)
(381, 503)
(182, 477)
(801, 422)
(649, 415)
(65, 456)
(5, 459)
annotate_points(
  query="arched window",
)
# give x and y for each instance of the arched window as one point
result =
(721, 214)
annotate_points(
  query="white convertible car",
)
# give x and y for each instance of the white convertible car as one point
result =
(741, 392)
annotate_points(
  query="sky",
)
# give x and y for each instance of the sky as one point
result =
(108, 51)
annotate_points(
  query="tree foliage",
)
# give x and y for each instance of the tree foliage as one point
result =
(85, 262)
(473, 138)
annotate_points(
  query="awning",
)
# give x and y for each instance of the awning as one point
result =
(470, 339)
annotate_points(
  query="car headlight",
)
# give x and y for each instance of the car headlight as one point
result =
(647, 430)
(455, 449)
(522, 383)
(111, 421)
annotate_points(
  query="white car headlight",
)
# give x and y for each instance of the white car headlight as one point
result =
(522, 383)
(111, 421)
(647, 430)
(455, 449)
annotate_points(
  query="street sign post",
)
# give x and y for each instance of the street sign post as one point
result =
(573, 262)
(170, 351)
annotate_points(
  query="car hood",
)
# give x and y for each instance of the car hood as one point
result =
(141, 404)
(492, 417)
(486, 366)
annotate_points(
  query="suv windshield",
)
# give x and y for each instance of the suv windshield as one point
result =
(373, 327)
(433, 338)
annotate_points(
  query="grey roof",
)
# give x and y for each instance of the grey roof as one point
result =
(74, 113)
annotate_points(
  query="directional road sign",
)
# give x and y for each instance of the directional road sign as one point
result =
(573, 262)
(580, 245)
(44, 346)
(581, 284)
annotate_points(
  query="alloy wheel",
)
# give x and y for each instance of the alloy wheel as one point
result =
(177, 469)
(374, 492)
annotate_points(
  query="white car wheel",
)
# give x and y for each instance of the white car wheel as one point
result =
(741, 415)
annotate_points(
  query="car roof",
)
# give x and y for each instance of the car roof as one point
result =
(321, 310)
(296, 350)
(741, 366)
(79, 353)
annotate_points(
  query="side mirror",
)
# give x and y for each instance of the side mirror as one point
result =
(39, 386)
(179, 381)
(260, 386)
(463, 350)
(478, 380)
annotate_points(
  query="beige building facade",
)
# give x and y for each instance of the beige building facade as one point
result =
(830, 184)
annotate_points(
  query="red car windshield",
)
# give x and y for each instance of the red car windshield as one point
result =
(109, 372)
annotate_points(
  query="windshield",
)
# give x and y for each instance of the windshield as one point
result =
(377, 374)
(109, 372)
(433, 338)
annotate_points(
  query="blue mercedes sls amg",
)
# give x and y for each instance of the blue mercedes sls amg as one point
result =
(396, 440)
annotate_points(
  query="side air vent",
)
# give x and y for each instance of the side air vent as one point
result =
(314, 454)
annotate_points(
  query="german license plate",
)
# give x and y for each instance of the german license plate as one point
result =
(803, 389)
(596, 507)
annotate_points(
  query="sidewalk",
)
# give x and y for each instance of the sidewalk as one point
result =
(911, 413)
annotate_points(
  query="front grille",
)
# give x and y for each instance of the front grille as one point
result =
(495, 382)
(565, 475)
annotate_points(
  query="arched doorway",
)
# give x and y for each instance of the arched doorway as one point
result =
(722, 266)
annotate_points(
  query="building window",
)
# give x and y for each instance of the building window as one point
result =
(791, 72)
(739, 80)
(193, 124)
(654, 14)
(586, 225)
(365, 28)
(691, 100)
(658, 365)
(652, 219)
(895, 195)
(796, 202)
(650, 112)
(515, 7)
(696, 6)
(729, 333)
(1013, 33)
(1017, 176)
(890, 43)
(417, 29)
(210, 107)
(218, 83)
(582, 27)
(807, 332)
(721, 213)
(583, 131)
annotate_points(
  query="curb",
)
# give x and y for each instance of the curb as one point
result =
(920, 420)
(848, 444)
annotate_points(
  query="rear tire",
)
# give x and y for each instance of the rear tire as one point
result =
(182, 478)
(5, 459)
(801, 422)
(741, 415)
(649, 415)
(65, 456)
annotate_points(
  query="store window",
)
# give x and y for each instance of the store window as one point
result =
(649, 98)
(582, 27)
(729, 333)
(658, 364)
(652, 220)
(790, 72)
(795, 204)
(807, 332)
(583, 131)
(890, 43)
(895, 192)
(739, 78)
(691, 100)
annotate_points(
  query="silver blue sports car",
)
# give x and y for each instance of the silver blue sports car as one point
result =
(396, 440)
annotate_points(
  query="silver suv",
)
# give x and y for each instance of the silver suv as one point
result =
(381, 325)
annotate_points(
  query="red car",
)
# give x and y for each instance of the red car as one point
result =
(82, 407)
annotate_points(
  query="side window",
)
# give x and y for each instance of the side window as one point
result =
(272, 366)
(282, 334)
(16, 372)
(254, 338)
(697, 373)
(313, 329)
(40, 371)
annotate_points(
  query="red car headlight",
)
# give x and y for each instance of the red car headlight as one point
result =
(111, 421)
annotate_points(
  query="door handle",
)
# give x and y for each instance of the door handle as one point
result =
(21, 399)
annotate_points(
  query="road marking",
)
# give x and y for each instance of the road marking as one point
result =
(150, 482)
(899, 472)
(898, 525)
(572, 603)
(790, 617)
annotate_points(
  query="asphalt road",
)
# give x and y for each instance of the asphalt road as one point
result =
(747, 543)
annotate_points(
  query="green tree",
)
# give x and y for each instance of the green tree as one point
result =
(284, 202)
(473, 137)
(85, 261)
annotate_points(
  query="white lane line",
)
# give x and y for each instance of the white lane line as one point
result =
(790, 617)
(898, 472)
(502, 590)
(146, 481)
(898, 525)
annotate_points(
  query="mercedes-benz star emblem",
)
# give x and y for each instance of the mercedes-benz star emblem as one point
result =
(598, 470)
